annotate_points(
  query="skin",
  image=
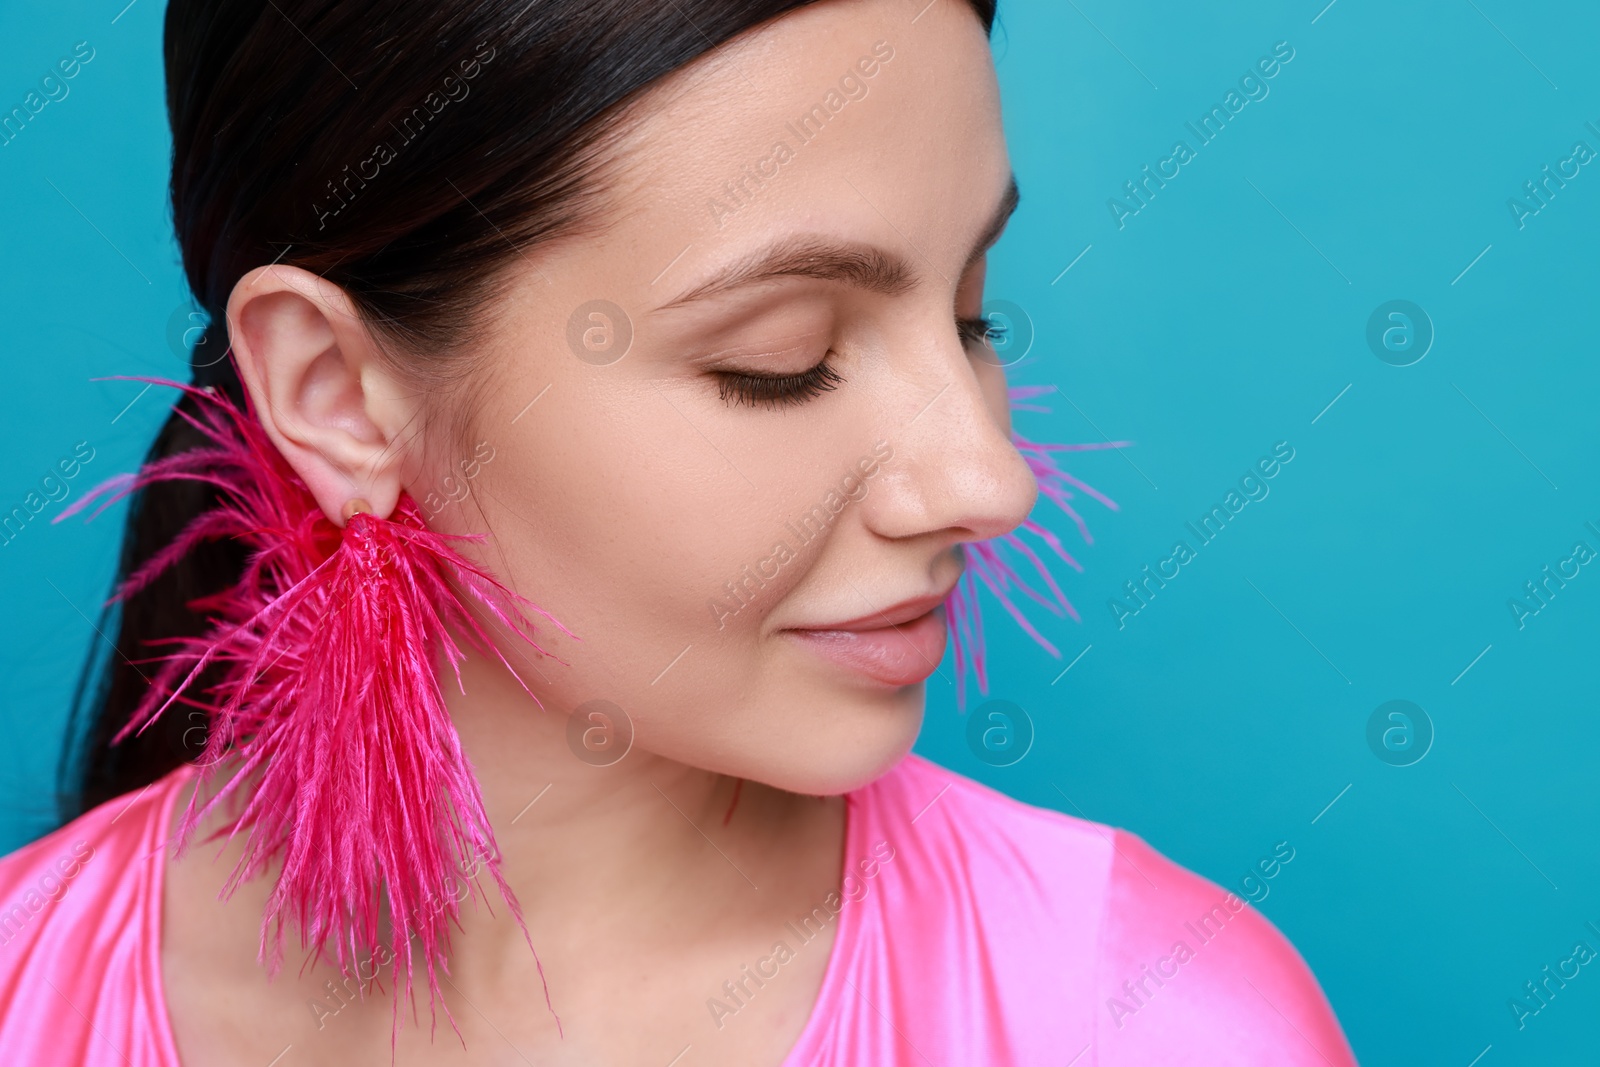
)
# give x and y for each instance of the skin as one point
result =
(621, 501)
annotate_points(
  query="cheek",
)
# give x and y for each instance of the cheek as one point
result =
(674, 536)
(642, 539)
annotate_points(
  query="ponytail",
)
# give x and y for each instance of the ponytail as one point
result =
(92, 769)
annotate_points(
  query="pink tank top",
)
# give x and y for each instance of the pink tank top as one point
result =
(972, 929)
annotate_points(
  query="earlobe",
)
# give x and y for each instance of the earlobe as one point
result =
(320, 387)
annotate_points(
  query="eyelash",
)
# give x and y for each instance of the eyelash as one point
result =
(774, 390)
(984, 329)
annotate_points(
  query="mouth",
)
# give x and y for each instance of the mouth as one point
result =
(899, 646)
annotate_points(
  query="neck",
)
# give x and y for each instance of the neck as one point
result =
(604, 859)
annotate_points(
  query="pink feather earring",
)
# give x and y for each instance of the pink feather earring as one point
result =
(330, 710)
(988, 566)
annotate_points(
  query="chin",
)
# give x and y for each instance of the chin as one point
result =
(839, 741)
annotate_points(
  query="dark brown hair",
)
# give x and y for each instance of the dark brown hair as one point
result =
(406, 150)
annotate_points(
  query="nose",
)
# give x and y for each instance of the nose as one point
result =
(955, 472)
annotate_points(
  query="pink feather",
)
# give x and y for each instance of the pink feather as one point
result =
(349, 769)
(987, 564)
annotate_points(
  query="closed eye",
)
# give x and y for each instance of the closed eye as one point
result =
(775, 390)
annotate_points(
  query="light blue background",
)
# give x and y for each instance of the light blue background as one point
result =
(1224, 317)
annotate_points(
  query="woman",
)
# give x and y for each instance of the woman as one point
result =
(631, 289)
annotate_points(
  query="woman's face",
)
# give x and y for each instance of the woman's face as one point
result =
(736, 441)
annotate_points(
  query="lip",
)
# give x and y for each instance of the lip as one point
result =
(903, 611)
(899, 646)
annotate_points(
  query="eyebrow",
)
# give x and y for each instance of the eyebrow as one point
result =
(859, 265)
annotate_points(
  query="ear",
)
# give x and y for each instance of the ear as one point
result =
(320, 387)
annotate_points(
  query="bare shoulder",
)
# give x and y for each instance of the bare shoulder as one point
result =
(1189, 972)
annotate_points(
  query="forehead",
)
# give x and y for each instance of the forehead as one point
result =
(851, 117)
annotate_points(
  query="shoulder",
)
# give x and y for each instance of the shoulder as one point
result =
(79, 934)
(68, 861)
(1188, 972)
(938, 814)
(1079, 919)
(981, 875)
(918, 788)
(120, 824)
